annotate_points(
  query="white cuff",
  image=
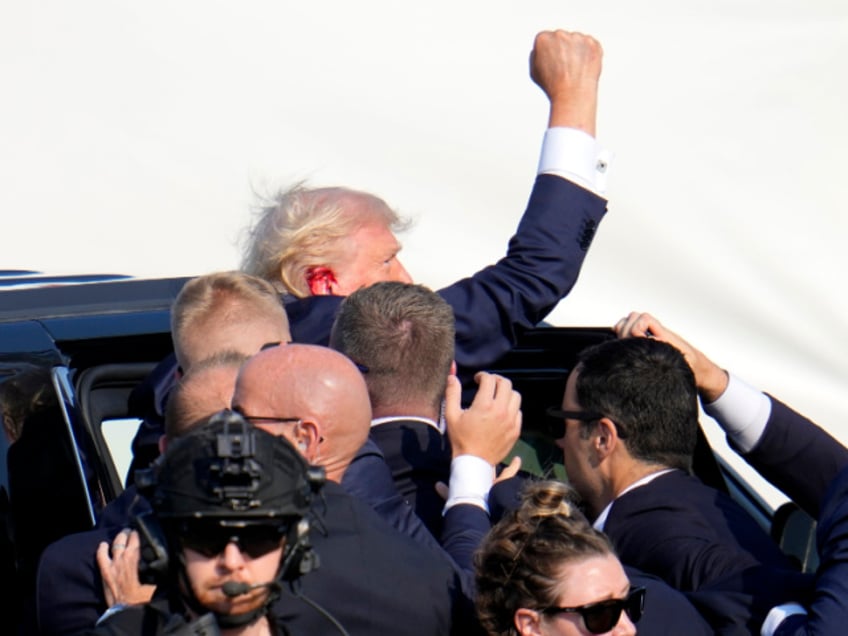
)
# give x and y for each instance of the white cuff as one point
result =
(777, 615)
(575, 155)
(471, 480)
(742, 411)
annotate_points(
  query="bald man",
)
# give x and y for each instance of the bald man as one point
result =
(373, 577)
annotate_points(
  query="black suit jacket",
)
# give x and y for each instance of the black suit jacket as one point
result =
(374, 579)
(701, 542)
(69, 588)
(418, 456)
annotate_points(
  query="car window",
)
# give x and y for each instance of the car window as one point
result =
(118, 434)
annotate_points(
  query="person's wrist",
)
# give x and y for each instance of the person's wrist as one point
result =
(713, 383)
(111, 611)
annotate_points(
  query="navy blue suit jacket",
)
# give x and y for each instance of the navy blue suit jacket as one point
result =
(418, 456)
(701, 542)
(811, 467)
(797, 457)
(495, 305)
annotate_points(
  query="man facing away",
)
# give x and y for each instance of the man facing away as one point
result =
(401, 336)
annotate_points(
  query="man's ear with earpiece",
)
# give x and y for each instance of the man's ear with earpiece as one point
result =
(307, 437)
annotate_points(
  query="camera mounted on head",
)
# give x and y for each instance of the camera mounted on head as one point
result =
(227, 474)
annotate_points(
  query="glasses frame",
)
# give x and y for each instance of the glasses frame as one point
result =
(214, 539)
(583, 416)
(267, 419)
(633, 605)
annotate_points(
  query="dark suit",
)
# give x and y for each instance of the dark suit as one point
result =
(701, 542)
(797, 457)
(419, 456)
(69, 588)
(811, 467)
(496, 304)
(373, 579)
(828, 608)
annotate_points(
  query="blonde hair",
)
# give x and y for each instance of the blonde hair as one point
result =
(301, 228)
(230, 298)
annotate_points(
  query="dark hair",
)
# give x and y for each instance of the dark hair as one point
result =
(647, 388)
(518, 563)
(403, 334)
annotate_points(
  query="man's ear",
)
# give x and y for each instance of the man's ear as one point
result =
(606, 437)
(321, 280)
(307, 437)
(527, 622)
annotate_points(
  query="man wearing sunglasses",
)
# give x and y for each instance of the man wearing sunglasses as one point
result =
(227, 528)
(796, 456)
(630, 416)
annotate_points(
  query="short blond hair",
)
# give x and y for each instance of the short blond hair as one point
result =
(220, 301)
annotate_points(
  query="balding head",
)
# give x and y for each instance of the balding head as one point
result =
(316, 385)
(206, 389)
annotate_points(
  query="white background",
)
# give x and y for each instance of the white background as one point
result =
(135, 135)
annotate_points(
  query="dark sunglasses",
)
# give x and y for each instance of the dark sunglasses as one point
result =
(211, 540)
(583, 416)
(600, 618)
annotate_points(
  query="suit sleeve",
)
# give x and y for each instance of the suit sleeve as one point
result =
(798, 457)
(828, 611)
(495, 305)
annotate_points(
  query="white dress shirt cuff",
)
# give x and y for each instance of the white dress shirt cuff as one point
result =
(575, 155)
(742, 411)
(777, 615)
(471, 480)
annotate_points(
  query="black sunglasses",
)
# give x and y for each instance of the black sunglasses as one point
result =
(583, 416)
(600, 618)
(211, 539)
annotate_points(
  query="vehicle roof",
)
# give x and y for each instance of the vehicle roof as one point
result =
(37, 317)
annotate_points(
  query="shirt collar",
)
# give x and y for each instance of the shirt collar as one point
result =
(407, 418)
(602, 518)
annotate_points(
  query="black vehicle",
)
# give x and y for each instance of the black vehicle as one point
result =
(74, 350)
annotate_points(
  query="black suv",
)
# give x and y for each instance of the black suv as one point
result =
(74, 351)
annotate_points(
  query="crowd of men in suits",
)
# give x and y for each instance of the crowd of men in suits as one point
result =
(324, 344)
